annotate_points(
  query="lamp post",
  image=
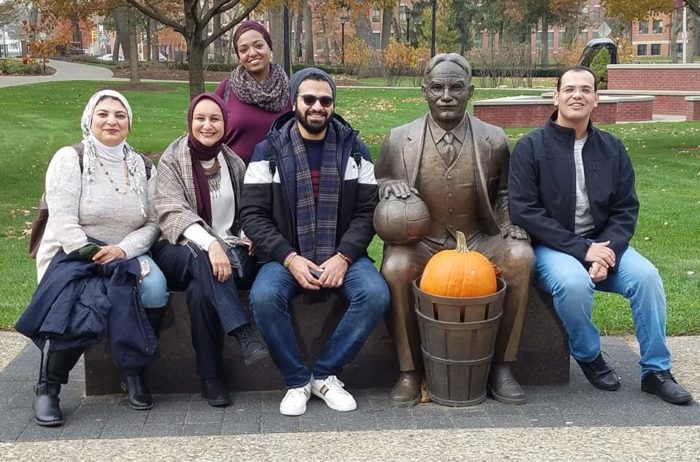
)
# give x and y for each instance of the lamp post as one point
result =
(432, 30)
(344, 17)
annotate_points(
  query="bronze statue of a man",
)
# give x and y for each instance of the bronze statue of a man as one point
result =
(458, 165)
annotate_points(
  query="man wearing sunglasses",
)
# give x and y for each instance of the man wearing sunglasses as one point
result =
(308, 200)
(458, 166)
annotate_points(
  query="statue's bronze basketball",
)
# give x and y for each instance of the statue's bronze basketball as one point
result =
(401, 221)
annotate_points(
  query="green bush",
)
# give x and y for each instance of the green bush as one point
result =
(600, 67)
(17, 67)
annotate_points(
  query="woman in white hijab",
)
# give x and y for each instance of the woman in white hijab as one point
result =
(100, 199)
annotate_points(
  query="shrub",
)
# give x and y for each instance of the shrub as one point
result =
(359, 56)
(17, 67)
(600, 67)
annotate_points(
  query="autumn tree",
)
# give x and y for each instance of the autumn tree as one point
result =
(191, 21)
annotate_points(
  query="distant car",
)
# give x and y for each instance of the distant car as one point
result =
(108, 57)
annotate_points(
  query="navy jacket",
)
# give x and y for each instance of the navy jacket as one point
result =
(78, 301)
(542, 189)
(268, 209)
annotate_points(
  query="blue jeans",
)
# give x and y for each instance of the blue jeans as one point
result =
(633, 277)
(273, 290)
(153, 290)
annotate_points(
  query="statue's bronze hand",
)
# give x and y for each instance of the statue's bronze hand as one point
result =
(516, 232)
(398, 188)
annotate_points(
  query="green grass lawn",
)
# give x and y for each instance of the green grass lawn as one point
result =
(38, 119)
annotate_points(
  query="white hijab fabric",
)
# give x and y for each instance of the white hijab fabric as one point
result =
(137, 179)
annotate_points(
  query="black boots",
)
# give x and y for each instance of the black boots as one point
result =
(54, 370)
(133, 382)
(252, 348)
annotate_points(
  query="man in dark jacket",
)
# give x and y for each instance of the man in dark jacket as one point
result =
(572, 188)
(308, 201)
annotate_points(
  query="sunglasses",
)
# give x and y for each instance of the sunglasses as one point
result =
(310, 100)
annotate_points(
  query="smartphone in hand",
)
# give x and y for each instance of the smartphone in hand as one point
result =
(315, 273)
(89, 251)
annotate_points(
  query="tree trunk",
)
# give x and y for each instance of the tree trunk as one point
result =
(363, 28)
(122, 38)
(195, 58)
(155, 47)
(387, 16)
(672, 33)
(276, 18)
(134, 56)
(545, 40)
(77, 35)
(218, 43)
(692, 31)
(298, 37)
(308, 35)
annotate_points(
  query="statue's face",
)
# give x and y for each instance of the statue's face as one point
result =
(448, 89)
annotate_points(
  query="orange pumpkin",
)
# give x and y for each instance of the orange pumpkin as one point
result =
(459, 273)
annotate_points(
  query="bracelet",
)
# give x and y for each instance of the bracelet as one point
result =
(289, 258)
(345, 257)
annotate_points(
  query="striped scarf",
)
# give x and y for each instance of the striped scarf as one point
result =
(316, 223)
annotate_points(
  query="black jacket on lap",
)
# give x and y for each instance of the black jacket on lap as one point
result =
(77, 302)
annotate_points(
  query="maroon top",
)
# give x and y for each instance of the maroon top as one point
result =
(247, 124)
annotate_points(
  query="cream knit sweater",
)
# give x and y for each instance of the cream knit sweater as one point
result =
(109, 216)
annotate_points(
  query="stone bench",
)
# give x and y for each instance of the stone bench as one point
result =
(543, 358)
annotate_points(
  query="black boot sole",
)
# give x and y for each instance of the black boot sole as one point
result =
(50, 423)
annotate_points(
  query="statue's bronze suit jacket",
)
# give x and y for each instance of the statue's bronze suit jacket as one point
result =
(401, 152)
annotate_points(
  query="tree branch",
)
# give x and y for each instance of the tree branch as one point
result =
(153, 12)
(217, 8)
(232, 23)
(694, 5)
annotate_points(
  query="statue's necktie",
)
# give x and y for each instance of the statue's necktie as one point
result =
(449, 151)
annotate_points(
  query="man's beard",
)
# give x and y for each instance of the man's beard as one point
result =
(312, 127)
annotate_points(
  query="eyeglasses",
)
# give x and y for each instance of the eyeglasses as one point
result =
(310, 100)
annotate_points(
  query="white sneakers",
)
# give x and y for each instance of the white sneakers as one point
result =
(332, 392)
(329, 389)
(294, 402)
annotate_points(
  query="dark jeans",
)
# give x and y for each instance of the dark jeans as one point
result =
(213, 306)
(273, 290)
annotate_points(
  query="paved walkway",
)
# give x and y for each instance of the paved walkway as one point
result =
(64, 71)
(573, 422)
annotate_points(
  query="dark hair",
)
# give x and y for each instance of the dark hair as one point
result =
(578, 68)
(459, 60)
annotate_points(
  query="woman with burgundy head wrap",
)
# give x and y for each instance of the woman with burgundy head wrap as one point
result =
(256, 93)
(197, 200)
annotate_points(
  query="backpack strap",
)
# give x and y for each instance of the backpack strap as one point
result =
(356, 154)
(271, 162)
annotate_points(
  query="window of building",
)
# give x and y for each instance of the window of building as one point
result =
(658, 26)
(376, 40)
(479, 41)
(583, 35)
(643, 27)
(376, 15)
(561, 38)
(538, 39)
(641, 50)
(679, 49)
(656, 49)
